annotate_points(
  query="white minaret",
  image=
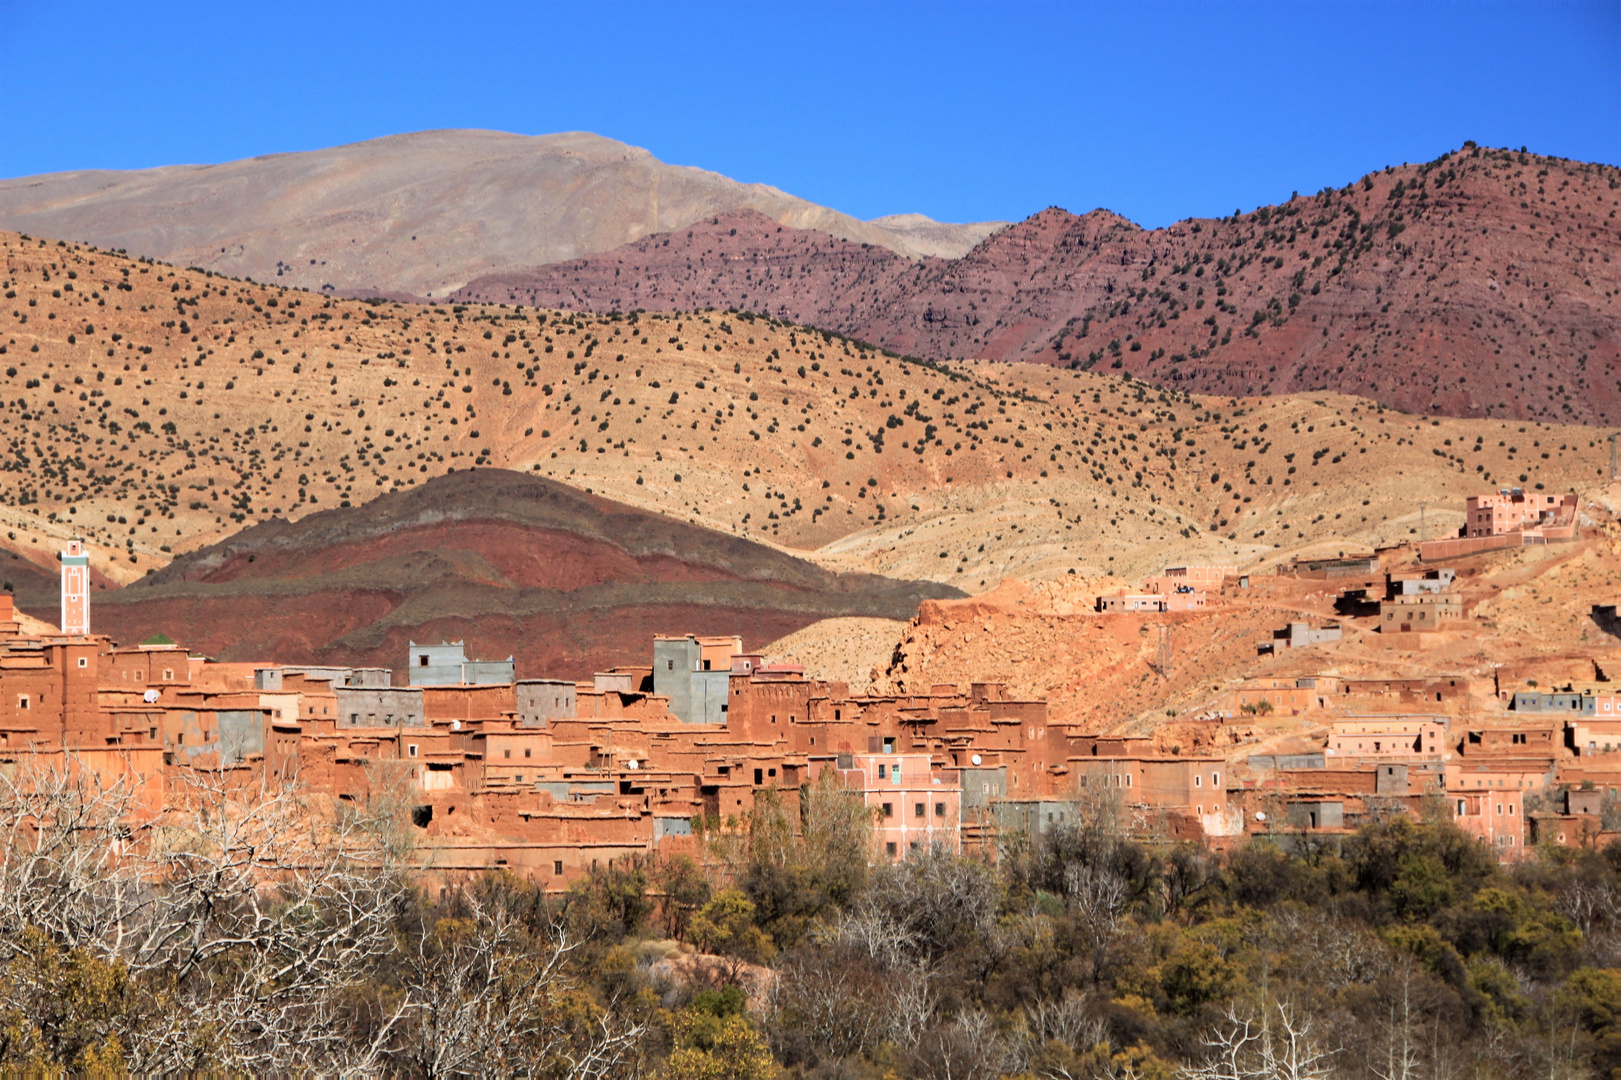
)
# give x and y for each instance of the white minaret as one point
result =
(75, 590)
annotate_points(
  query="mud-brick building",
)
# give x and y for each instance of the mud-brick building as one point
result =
(1388, 736)
(1420, 613)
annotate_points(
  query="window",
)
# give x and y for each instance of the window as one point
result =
(1215, 779)
(669, 665)
(883, 772)
(22, 701)
(889, 809)
(168, 675)
(939, 809)
(759, 777)
(520, 778)
(917, 810)
(895, 773)
(557, 868)
(422, 661)
(84, 661)
(411, 750)
(506, 753)
(889, 849)
(1198, 781)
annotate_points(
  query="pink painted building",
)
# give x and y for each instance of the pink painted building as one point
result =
(1513, 510)
(913, 806)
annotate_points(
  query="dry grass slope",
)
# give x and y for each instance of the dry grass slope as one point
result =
(154, 410)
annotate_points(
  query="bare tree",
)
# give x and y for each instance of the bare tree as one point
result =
(248, 919)
(1098, 896)
(488, 1003)
(1276, 1045)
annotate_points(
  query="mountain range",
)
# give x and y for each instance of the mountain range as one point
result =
(1485, 283)
(420, 214)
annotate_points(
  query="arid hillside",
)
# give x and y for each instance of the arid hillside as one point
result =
(566, 582)
(418, 214)
(1486, 283)
(1527, 613)
(155, 411)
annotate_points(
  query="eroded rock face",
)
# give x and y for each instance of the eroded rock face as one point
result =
(1482, 284)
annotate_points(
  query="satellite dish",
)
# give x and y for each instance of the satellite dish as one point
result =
(631, 764)
(1260, 815)
(455, 725)
(150, 697)
(975, 759)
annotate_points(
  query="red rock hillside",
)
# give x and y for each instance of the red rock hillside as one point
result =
(1484, 283)
(565, 581)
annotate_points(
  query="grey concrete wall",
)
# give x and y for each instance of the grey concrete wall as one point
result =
(540, 701)
(379, 706)
(435, 665)
(980, 786)
(241, 734)
(488, 672)
(674, 661)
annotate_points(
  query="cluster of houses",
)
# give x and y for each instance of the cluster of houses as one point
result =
(552, 777)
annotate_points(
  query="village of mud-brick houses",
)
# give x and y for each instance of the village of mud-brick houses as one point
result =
(551, 778)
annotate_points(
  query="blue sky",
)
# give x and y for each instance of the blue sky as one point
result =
(963, 111)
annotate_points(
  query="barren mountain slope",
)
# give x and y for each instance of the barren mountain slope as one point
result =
(1485, 284)
(1527, 613)
(286, 403)
(516, 565)
(416, 214)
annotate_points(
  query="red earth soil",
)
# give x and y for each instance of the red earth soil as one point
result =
(564, 582)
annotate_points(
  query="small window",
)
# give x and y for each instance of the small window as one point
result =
(506, 753)
(939, 809)
(168, 675)
(883, 772)
(22, 701)
(557, 868)
(411, 750)
(527, 752)
(1198, 781)
(422, 661)
(669, 665)
(889, 849)
(889, 809)
(84, 661)
(918, 810)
